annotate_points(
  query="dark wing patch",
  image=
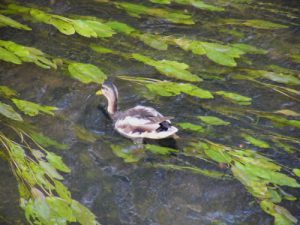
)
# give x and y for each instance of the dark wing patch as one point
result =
(163, 126)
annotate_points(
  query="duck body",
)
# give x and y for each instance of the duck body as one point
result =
(138, 122)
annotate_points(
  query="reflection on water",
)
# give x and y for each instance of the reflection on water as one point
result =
(121, 193)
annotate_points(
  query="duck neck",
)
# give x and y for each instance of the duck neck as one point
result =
(112, 106)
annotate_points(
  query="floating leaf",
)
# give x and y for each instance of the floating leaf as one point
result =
(9, 112)
(160, 150)
(86, 73)
(191, 127)
(236, 98)
(33, 109)
(212, 120)
(169, 68)
(100, 49)
(12, 23)
(256, 142)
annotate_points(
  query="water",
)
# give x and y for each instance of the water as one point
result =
(122, 193)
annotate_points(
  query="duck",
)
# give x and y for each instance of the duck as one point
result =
(139, 122)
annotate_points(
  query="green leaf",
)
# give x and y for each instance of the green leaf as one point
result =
(191, 127)
(287, 112)
(102, 30)
(169, 68)
(9, 112)
(269, 175)
(128, 155)
(86, 73)
(83, 215)
(201, 5)
(121, 27)
(249, 48)
(256, 142)
(100, 49)
(153, 41)
(209, 173)
(83, 28)
(63, 26)
(297, 172)
(61, 190)
(160, 150)
(50, 170)
(212, 120)
(166, 88)
(263, 24)
(171, 15)
(61, 210)
(7, 92)
(57, 163)
(9, 56)
(46, 141)
(236, 98)
(33, 109)
(218, 155)
(12, 23)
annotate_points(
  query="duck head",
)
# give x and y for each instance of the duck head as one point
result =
(109, 90)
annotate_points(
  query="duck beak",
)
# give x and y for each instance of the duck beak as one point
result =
(99, 92)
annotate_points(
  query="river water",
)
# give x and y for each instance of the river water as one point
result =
(139, 193)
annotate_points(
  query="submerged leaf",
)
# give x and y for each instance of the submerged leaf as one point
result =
(86, 73)
(209, 173)
(153, 41)
(237, 98)
(287, 112)
(171, 15)
(255, 141)
(169, 68)
(191, 127)
(9, 112)
(120, 27)
(160, 150)
(7, 92)
(166, 88)
(33, 109)
(212, 120)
